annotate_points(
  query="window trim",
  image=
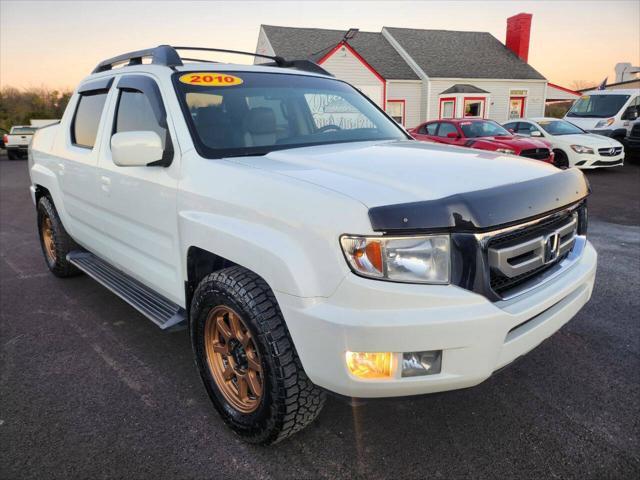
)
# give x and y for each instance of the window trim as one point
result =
(440, 107)
(484, 106)
(403, 102)
(147, 86)
(97, 87)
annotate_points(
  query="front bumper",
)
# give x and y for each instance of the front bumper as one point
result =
(611, 133)
(597, 161)
(477, 337)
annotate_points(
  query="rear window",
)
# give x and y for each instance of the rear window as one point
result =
(87, 118)
(254, 113)
(23, 130)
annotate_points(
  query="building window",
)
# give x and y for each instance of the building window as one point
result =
(474, 107)
(516, 107)
(395, 109)
(448, 107)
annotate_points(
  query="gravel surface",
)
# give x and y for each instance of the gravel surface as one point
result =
(91, 389)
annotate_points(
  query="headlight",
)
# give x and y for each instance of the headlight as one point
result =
(418, 259)
(605, 123)
(581, 149)
(506, 150)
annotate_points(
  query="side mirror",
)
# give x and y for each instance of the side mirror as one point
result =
(536, 133)
(136, 149)
(452, 135)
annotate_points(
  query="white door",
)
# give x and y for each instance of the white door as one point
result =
(139, 202)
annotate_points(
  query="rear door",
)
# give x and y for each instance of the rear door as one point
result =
(75, 163)
(139, 202)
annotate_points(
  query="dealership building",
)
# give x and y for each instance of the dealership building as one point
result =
(418, 75)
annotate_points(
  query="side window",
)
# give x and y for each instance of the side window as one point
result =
(446, 128)
(511, 126)
(84, 127)
(135, 113)
(526, 129)
(431, 128)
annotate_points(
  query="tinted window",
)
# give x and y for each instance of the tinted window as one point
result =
(511, 126)
(87, 119)
(560, 127)
(135, 114)
(598, 106)
(526, 129)
(483, 128)
(262, 112)
(446, 128)
(431, 128)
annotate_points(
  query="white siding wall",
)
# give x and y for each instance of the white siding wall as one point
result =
(345, 66)
(498, 105)
(411, 92)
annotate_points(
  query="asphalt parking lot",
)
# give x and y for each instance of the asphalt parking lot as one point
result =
(90, 389)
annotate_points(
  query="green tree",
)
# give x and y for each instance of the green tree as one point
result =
(19, 107)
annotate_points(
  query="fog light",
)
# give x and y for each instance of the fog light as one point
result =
(421, 363)
(370, 365)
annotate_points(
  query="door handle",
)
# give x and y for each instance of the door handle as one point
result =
(105, 184)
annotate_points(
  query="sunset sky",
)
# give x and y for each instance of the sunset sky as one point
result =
(56, 44)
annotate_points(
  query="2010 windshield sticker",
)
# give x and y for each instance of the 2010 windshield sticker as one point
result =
(210, 79)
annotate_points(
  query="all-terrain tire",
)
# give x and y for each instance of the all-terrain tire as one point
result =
(54, 240)
(289, 400)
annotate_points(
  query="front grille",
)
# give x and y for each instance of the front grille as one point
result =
(519, 255)
(536, 153)
(610, 151)
(635, 131)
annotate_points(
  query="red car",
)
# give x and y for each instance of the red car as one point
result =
(484, 135)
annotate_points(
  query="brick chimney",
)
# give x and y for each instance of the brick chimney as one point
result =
(518, 32)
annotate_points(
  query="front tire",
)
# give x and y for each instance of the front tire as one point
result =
(246, 358)
(561, 160)
(54, 240)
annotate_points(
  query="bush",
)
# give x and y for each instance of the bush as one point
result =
(18, 107)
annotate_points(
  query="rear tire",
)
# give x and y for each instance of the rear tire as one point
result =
(561, 160)
(247, 360)
(54, 240)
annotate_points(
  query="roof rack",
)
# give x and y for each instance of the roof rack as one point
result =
(168, 56)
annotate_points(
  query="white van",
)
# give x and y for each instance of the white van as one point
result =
(606, 112)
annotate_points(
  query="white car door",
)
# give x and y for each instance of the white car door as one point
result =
(75, 163)
(139, 202)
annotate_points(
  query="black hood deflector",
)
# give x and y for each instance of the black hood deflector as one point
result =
(485, 209)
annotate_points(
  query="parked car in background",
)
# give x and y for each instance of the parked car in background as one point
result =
(572, 146)
(484, 135)
(3, 137)
(632, 141)
(17, 141)
(606, 112)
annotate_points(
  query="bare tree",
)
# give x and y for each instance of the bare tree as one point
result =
(583, 84)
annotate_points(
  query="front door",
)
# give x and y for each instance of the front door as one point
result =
(139, 202)
(516, 107)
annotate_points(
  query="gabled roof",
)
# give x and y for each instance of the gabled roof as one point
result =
(314, 43)
(450, 54)
(463, 88)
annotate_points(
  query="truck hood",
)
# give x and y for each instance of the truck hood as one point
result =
(385, 173)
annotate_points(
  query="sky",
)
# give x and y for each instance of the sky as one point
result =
(57, 43)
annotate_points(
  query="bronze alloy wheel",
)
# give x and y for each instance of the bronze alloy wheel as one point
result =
(47, 238)
(233, 359)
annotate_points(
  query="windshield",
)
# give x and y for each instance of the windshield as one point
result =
(598, 106)
(250, 113)
(22, 130)
(482, 129)
(559, 127)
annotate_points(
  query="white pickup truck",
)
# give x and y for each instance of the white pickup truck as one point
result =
(17, 141)
(308, 242)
